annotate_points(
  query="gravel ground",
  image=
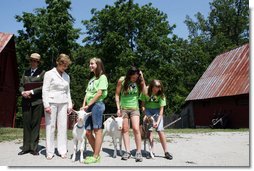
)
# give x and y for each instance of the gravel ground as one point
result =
(188, 150)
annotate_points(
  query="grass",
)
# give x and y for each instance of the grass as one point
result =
(10, 134)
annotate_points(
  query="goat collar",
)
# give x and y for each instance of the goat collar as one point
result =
(80, 127)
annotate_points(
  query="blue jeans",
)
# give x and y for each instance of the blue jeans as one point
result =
(95, 120)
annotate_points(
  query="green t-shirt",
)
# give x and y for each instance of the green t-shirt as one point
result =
(153, 102)
(129, 99)
(94, 85)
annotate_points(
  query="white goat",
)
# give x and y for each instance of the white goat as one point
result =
(79, 133)
(148, 122)
(113, 128)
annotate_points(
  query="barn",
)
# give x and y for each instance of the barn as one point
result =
(222, 92)
(9, 80)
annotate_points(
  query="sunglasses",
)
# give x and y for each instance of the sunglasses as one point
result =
(63, 63)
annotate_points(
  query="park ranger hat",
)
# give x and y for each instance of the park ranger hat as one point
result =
(35, 56)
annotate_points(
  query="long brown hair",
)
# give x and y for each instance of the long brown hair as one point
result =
(132, 71)
(100, 67)
(156, 83)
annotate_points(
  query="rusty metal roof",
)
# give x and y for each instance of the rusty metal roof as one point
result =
(4, 39)
(227, 75)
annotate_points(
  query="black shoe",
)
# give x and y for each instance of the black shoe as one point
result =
(23, 152)
(35, 153)
(168, 156)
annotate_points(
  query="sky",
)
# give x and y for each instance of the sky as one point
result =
(176, 10)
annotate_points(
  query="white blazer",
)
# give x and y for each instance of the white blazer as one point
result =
(56, 88)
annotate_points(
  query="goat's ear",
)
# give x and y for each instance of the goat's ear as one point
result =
(89, 113)
(75, 112)
(124, 115)
(112, 117)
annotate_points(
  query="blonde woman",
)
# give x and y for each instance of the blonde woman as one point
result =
(57, 104)
(96, 92)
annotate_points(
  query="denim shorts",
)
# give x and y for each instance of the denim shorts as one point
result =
(95, 120)
(155, 113)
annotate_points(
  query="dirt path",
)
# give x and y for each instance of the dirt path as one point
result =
(201, 149)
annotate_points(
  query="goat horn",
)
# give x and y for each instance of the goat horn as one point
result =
(112, 117)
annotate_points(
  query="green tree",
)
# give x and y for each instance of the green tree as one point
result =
(126, 34)
(48, 31)
(226, 27)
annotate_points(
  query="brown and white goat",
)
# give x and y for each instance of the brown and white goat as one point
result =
(148, 122)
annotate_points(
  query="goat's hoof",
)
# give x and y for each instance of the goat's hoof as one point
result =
(73, 158)
(114, 156)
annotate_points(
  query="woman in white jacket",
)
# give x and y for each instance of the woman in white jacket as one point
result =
(57, 104)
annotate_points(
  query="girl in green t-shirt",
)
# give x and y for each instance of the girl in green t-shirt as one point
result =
(153, 105)
(93, 102)
(127, 95)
